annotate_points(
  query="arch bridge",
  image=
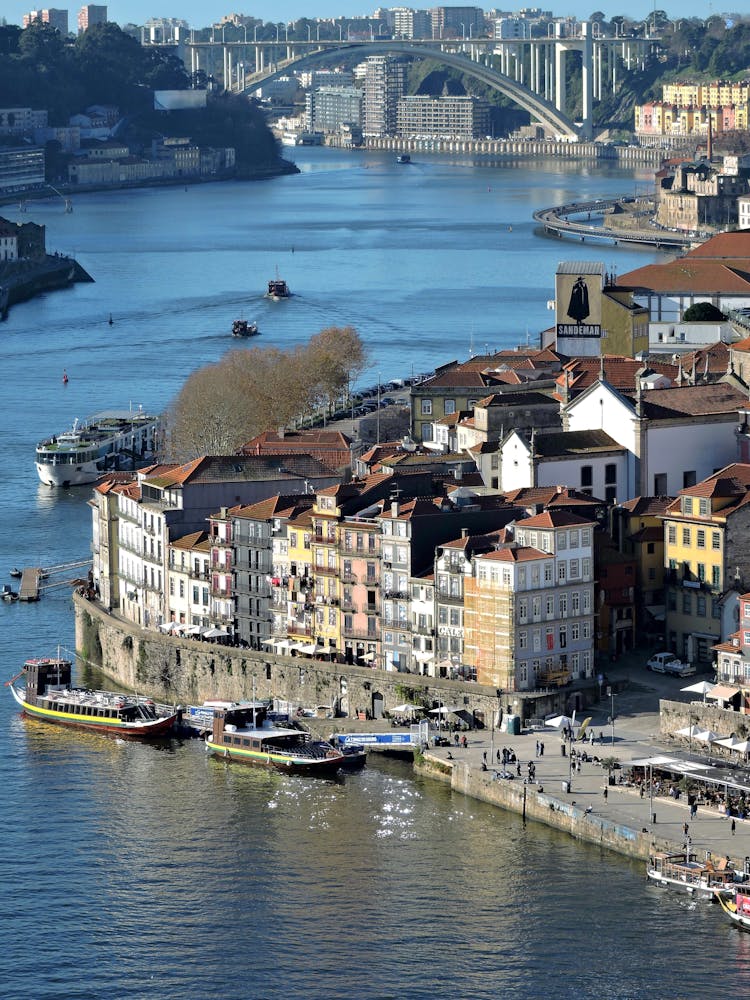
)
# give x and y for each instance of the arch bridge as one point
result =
(531, 74)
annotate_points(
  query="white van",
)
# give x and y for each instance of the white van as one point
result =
(662, 663)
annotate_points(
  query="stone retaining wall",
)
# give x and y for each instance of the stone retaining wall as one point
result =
(534, 803)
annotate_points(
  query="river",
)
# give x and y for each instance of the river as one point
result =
(130, 871)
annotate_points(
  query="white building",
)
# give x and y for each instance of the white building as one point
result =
(674, 437)
(384, 85)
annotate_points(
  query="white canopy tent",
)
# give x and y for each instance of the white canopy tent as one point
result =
(691, 731)
(701, 687)
(560, 722)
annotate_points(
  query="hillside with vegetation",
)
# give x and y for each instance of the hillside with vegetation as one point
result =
(41, 70)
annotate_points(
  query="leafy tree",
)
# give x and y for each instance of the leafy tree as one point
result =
(703, 312)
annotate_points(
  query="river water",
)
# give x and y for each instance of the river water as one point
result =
(134, 871)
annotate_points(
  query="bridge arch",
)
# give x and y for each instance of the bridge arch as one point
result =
(537, 106)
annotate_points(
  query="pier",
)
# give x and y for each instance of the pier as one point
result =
(36, 579)
(557, 222)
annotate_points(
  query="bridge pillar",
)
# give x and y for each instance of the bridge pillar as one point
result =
(560, 89)
(587, 81)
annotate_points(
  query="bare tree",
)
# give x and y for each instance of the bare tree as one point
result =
(223, 405)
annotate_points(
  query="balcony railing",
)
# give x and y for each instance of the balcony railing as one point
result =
(221, 592)
(295, 628)
(360, 633)
(325, 570)
(395, 595)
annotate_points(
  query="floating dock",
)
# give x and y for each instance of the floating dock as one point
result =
(30, 580)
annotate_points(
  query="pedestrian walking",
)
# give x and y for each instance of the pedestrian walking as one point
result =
(497, 755)
(562, 748)
(541, 749)
(605, 793)
(685, 829)
(518, 768)
(733, 827)
(693, 810)
(641, 790)
(484, 756)
(537, 748)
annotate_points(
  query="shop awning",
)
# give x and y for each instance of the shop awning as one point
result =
(722, 692)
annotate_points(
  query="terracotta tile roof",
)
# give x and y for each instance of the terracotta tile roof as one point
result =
(112, 479)
(553, 519)
(653, 534)
(520, 553)
(647, 506)
(508, 399)
(240, 468)
(281, 505)
(732, 245)
(527, 496)
(619, 372)
(693, 401)
(731, 482)
(698, 275)
(194, 540)
(741, 345)
(563, 443)
(717, 356)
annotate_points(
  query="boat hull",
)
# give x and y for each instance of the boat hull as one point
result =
(289, 764)
(740, 920)
(68, 475)
(106, 727)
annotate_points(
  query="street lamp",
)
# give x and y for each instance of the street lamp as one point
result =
(463, 30)
(611, 692)
(378, 417)
(255, 33)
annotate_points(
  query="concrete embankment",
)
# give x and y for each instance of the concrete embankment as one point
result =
(22, 280)
(537, 149)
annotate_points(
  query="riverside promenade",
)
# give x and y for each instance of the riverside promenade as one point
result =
(621, 821)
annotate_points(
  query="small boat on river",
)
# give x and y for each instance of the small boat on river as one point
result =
(241, 328)
(403, 158)
(242, 733)
(50, 697)
(702, 879)
(277, 289)
(737, 908)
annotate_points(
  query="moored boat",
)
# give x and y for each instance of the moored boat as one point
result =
(114, 439)
(403, 158)
(241, 328)
(49, 696)
(737, 908)
(242, 733)
(703, 879)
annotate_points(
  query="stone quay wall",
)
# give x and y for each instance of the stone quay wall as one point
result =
(674, 715)
(187, 671)
(532, 148)
(532, 802)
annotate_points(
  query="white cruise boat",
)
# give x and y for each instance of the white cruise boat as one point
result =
(114, 439)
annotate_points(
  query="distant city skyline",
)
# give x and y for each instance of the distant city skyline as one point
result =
(201, 14)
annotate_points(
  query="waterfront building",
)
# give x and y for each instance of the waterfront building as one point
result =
(423, 641)
(384, 85)
(21, 169)
(360, 568)
(411, 530)
(733, 665)
(529, 606)
(452, 566)
(458, 117)
(614, 599)
(105, 559)
(8, 240)
(707, 557)
(674, 437)
(327, 109)
(699, 195)
(57, 19)
(638, 530)
(292, 605)
(221, 567)
(188, 580)
(89, 15)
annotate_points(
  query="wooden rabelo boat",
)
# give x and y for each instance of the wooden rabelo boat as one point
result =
(703, 879)
(49, 696)
(241, 733)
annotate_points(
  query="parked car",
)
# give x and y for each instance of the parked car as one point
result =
(662, 663)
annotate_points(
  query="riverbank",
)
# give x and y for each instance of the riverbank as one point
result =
(22, 280)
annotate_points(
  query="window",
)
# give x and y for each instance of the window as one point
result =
(585, 536)
(716, 577)
(561, 572)
(537, 640)
(523, 640)
(700, 606)
(587, 475)
(450, 406)
(672, 534)
(171, 586)
(610, 473)
(426, 407)
(701, 571)
(704, 507)
(196, 593)
(548, 572)
(575, 632)
(688, 478)
(715, 540)
(672, 600)
(700, 538)
(686, 536)
(586, 630)
(536, 608)
(523, 609)
(687, 603)
(563, 636)
(562, 540)
(182, 588)
(563, 605)
(574, 572)
(586, 601)
(550, 606)
(660, 484)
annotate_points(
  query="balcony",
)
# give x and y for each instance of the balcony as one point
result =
(395, 595)
(326, 570)
(428, 630)
(221, 593)
(360, 633)
(296, 628)
(450, 599)
(222, 619)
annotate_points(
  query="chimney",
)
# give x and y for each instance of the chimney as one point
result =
(464, 532)
(395, 508)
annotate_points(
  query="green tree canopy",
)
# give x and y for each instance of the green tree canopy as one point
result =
(702, 312)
